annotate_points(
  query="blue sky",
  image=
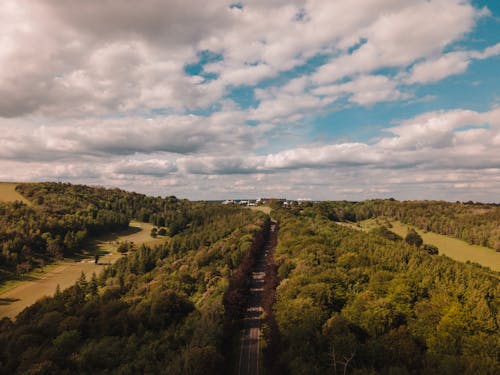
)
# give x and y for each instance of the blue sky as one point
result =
(304, 99)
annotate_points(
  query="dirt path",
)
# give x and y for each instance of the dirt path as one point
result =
(250, 349)
(14, 298)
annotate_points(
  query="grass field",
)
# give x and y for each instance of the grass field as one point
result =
(17, 294)
(452, 247)
(265, 209)
(8, 193)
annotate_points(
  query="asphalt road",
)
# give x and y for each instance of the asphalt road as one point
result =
(249, 353)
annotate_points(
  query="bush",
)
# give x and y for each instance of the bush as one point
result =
(154, 232)
(125, 247)
(431, 249)
(413, 238)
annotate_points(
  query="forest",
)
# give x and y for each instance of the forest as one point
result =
(361, 303)
(336, 300)
(168, 309)
(63, 217)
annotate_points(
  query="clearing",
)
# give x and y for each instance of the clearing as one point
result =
(450, 246)
(265, 209)
(8, 193)
(15, 295)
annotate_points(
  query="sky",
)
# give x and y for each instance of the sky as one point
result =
(311, 99)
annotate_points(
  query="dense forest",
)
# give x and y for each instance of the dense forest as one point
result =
(168, 309)
(476, 223)
(63, 216)
(360, 303)
(335, 300)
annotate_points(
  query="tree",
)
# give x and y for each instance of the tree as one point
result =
(431, 249)
(125, 247)
(413, 238)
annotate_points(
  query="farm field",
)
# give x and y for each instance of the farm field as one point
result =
(17, 294)
(452, 247)
(8, 193)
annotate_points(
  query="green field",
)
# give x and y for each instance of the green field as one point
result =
(8, 193)
(452, 247)
(15, 295)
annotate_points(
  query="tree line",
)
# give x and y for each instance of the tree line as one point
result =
(475, 223)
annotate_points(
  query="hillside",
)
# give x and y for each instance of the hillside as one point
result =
(62, 218)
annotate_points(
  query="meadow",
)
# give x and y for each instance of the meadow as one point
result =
(15, 295)
(8, 193)
(452, 247)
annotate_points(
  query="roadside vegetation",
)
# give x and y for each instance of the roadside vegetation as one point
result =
(358, 302)
(162, 309)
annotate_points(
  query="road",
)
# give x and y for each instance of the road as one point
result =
(250, 350)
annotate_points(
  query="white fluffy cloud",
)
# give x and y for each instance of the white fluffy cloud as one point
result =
(177, 134)
(448, 64)
(98, 92)
(91, 58)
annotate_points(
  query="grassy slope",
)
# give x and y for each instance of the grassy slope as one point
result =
(452, 247)
(16, 295)
(8, 193)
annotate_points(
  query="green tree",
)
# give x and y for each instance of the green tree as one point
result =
(413, 238)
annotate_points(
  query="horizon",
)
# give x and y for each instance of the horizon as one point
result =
(306, 99)
(238, 199)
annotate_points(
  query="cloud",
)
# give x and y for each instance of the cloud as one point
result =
(101, 92)
(178, 134)
(399, 37)
(453, 139)
(95, 58)
(448, 64)
(148, 167)
(364, 90)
